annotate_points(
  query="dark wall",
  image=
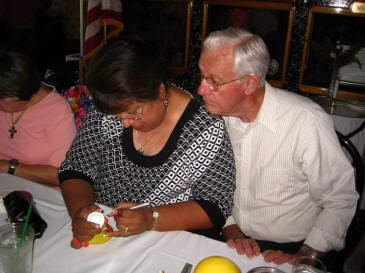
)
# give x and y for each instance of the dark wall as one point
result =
(190, 80)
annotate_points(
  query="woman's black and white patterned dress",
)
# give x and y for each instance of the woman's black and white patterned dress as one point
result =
(196, 163)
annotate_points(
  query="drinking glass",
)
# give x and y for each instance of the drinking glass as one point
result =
(306, 264)
(16, 256)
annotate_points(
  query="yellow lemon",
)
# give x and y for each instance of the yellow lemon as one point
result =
(216, 264)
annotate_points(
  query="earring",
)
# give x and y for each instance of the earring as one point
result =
(165, 101)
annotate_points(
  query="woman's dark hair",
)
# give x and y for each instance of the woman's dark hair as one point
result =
(124, 71)
(19, 75)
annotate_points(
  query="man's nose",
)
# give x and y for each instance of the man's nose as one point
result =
(203, 88)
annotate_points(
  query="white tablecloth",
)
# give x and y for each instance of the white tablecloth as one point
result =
(144, 253)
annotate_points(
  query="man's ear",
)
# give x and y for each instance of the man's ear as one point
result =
(251, 83)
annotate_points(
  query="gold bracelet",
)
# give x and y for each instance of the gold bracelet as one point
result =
(155, 216)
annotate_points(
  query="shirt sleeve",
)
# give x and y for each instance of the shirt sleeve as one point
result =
(331, 184)
(230, 221)
(216, 170)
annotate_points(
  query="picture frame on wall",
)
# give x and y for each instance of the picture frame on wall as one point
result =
(331, 30)
(165, 25)
(272, 21)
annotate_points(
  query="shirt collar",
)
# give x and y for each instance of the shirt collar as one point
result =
(266, 116)
(269, 108)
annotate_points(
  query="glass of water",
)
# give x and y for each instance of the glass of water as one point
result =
(16, 256)
(306, 264)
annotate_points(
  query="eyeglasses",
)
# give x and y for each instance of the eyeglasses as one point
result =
(137, 116)
(214, 86)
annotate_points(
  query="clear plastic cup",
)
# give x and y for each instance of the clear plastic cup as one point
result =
(16, 257)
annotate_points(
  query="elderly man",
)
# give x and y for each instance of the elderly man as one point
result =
(295, 190)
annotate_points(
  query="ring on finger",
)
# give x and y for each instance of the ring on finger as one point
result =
(126, 230)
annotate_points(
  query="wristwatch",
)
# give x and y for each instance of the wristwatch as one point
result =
(12, 165)
(155, 216)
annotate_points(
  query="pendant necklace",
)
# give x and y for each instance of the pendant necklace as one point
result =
(140, 148)
(12, 129)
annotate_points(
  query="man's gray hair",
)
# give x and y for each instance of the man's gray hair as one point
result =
(250, 53)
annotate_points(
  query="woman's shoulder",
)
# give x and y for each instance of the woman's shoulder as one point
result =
(202, 113)
(109, 124)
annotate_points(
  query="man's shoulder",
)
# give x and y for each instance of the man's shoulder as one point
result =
(288, 100)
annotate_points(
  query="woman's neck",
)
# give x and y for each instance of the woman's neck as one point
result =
(42, 92)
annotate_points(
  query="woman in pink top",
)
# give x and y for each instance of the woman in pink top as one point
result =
(36, 123)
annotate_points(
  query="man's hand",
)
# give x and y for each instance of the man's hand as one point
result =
(243, 245)
(278, 257)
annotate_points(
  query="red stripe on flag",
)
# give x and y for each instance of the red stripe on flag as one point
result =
(94, 14)
(112, 18)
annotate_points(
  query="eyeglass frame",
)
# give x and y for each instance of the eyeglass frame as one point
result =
(215, 89)
(136, 117)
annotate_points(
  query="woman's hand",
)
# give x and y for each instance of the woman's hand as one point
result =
(131, 222)
(4, 166)
(83, 230)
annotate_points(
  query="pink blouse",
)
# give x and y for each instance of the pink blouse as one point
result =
(43, 134)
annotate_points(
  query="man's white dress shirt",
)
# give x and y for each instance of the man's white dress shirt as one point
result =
(294, 181)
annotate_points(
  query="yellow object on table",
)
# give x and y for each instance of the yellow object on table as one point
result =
(100, 219)
(99, 239)
(216, 264)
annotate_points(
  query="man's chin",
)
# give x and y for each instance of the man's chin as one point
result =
(211, 108)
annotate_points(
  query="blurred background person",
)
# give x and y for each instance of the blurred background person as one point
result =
(37, 124)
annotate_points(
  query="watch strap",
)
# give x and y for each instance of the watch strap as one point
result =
(12, 165)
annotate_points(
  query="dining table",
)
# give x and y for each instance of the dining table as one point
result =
(148, 252)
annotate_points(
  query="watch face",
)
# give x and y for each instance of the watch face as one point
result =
(155, 214)
(12, 165)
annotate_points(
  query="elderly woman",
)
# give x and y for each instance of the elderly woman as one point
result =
(146, 141)
(37, 124)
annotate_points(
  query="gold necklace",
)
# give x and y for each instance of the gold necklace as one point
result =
(12, 129)
(140, 148)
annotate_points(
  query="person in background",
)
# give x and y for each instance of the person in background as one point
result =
(145, 140)
(37, 124)
(295, 190)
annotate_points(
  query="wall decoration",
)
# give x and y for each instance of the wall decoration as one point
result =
(334, 50)
(270, 20)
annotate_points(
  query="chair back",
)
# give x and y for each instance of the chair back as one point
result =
(355, 160)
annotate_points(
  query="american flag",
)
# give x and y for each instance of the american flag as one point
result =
(104, 20)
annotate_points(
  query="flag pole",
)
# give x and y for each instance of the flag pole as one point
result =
(105, 33)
